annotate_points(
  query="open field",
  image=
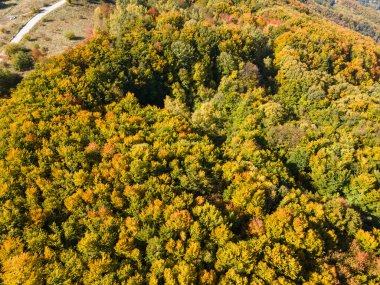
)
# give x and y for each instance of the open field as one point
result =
(14, 14)
(56, 32)
(52, 32)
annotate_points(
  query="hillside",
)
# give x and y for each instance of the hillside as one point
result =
(196, 142)
(361, 16)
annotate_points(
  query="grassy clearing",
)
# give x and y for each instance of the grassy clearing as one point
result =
(56, 32)
(23, 10)
(51, 33)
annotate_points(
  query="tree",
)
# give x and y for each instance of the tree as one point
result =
(23, 61)
(8, 80)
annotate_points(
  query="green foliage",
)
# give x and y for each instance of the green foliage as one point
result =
(70, 36)
(8, 80)
(11, 49)
(23, 61)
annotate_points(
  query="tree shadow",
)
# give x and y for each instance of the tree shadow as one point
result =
(78, 38)
(6, 5)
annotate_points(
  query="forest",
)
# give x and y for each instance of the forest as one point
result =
(196, 142)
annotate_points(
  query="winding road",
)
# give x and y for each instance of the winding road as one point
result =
(32, 22)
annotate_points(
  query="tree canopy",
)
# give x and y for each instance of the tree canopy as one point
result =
(196, 142)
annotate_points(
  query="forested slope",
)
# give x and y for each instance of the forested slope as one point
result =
(359, 15)
(196, 143)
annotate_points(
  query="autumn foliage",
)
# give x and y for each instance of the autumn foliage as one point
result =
(195, 143)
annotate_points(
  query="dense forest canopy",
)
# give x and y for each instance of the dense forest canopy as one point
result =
(196, 142)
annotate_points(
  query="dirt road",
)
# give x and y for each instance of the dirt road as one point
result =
(32, 22)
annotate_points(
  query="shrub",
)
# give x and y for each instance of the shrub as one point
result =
(35, 10)
(37, 54)
(27, 38)
(23, 61)
(4, 30)
(70, 36)
(12, 49)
